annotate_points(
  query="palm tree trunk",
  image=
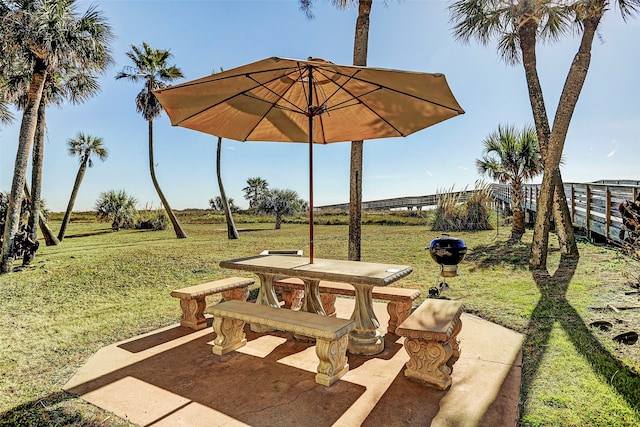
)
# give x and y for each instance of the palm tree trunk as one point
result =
(517, 230)
(232, 231)
(561, 210)
(180, 234)
(27, 133)
(72, 200)
(50, 239)
(36, 181)
(360, 47)
(564, 224)
(568, 100)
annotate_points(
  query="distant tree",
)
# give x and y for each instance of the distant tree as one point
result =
(280, 203)
(216, 204)
(118, 207)
(255, 191)
(151, 67)
(512, 157)
(83, 146)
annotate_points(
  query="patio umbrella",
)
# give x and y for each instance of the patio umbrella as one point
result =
(312, 101)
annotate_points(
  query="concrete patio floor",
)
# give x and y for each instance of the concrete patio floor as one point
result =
(170, 377)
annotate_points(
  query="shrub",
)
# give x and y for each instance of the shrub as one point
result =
(117, 207)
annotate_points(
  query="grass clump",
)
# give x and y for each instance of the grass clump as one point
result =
(455, 214)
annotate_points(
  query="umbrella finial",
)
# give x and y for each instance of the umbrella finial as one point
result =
(312, 59)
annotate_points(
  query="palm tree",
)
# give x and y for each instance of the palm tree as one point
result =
(83, 146)
(280, 203)
(257, 188)
(217, 205)
(518, 25)
(65, 83)
(150, 67)
(512, 157)
(118, 207)
(232, 231)
(40, 35)
(360, 47)
(587, 15)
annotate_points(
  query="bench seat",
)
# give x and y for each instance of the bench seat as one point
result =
(331, 334)
(431, 333)
(400, 300)
(193, 298)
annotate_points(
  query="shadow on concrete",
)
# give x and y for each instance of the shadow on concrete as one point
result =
(242, 387)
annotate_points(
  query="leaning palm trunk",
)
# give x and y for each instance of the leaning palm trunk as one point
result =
(563, 221)
(232, 231)
(568, 100)
(180, 234)
(49, 237)
(36, 181)
(360, 46)
(27, 133)
(72, 200)
(562, 218)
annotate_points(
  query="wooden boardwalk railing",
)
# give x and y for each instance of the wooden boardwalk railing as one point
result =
(593, 206)
(411, 202)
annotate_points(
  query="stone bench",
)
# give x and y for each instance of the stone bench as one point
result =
(331, 334)
(431, 341)
(192, 299)
(399, 300)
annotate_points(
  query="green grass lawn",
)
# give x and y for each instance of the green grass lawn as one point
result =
(99, 287)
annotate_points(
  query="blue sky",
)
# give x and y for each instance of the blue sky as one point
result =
(205, 36)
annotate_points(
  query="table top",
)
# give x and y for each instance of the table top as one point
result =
(358, 272)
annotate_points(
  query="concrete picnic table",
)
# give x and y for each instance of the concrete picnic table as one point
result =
(365, 339)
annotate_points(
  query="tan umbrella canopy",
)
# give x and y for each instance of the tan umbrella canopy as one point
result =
(313, 101)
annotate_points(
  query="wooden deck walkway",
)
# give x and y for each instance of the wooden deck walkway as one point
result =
(593, 206)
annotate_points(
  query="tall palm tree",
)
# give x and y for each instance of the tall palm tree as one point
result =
(256, 189)
(232, 231)
(360, 48)
(512, 157)
(517, 24)
(587, 15)
(40, 35)
(151, 67)
(83, 146)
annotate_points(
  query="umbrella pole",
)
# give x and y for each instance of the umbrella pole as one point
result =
(310, 114)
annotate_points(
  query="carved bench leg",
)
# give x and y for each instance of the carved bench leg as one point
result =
(239, 294)
(428, 362)
(229, 335)
(455, 344)
(333, 360)
(398, 313)
(328, 303)
(292, 298)
(193, 313)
